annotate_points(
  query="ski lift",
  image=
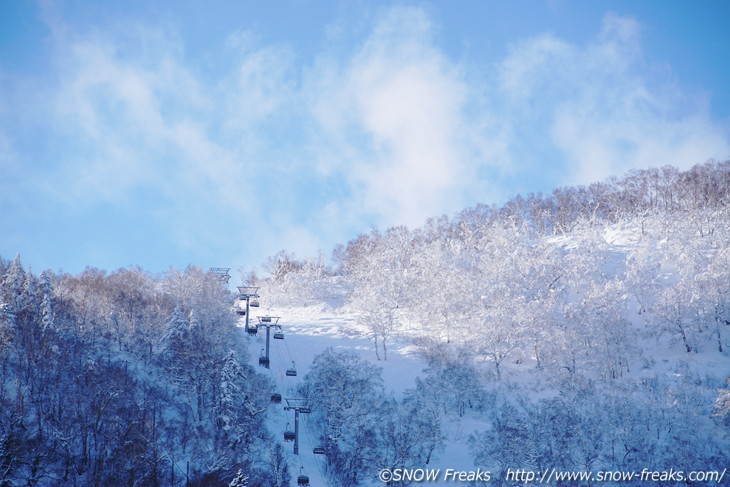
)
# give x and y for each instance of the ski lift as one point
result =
(252, 329)
(263, 359)
(241, 312)
(305, 410)
(288, 434)
(302, 479)
(291, 372)
(254, 303)
(276, 398)
(278, 335)
(265, 319)
(318, 450)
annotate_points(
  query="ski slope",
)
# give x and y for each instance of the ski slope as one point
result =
(310, 330)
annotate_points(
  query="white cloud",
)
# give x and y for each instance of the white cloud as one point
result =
(603, 109)
(253, 148)
(144, 129)
(397, 109)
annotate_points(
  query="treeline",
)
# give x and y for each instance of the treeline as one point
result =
(127, 379)
(696, 194)
(640, 192)
(597, 300)
(507, 277)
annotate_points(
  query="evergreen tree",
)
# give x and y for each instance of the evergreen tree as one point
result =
(46, 304)
(175, 332)
(14, 282)
(230, 390)
(241, 480)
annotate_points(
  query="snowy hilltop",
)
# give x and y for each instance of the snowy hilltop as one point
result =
(570, 338)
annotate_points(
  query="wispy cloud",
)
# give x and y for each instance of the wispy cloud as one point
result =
(398, 105)
(241, 152)
(603, 108)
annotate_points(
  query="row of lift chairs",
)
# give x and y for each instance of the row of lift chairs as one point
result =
(251, 298)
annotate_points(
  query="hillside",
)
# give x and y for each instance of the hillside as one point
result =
(628, 381)
(583, 331)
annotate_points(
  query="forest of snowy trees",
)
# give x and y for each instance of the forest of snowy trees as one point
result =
(582, 325)
(584, 328)
(125, 379)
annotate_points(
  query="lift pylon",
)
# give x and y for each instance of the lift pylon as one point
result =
(221, 273)
(298, 405)
(268, 322)
(248, 293)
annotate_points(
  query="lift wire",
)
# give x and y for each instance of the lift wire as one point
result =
(278, 382)
(278, 352)
(289, 354)
(304, 425)
(320, 468)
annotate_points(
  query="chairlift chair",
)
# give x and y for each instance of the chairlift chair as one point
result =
(305, 410)
(254, 303)
(318, 450)
(276, 398)
(263, 359)
(278, 335)
(241, 312)
(291, 372)
(302, 479)
(252, 329)
(288, 434)
(265, 319)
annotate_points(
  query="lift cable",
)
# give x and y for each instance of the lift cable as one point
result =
(320, 468)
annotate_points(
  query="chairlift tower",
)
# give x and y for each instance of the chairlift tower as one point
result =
(268, 322)
(250, 295)
(221, 273)
(298, 405)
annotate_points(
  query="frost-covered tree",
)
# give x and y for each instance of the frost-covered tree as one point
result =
(346, 397)
(13, 283)
(508, 443)
(384, 278)
(240, 480)
(7, 325)
(46, 304)
(712, 294)
(102, 410)
(278, 466)
(722, 405)
(423, 415)
(175, 333)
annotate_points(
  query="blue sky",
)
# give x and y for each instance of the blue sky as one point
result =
(170, 133)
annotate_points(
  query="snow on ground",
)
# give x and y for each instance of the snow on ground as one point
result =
(309, 331)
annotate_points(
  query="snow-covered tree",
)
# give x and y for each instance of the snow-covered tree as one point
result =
(722, 405)
(240, 480)
(7, 324)
(46, 304)
(346, 397)
(230, 392)
(13, 283)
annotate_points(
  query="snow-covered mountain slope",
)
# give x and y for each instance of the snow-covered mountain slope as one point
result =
(653, 361)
